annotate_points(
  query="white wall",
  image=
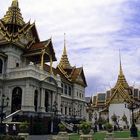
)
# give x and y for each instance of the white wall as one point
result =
(119, 110)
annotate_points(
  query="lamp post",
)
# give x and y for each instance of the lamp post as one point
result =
(4, 104)
(132, 106)
(54, 109)
(55, 118)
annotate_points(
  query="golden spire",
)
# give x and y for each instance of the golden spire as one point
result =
(121, 71)
(64, 62)
(13, 15)
(121, 78)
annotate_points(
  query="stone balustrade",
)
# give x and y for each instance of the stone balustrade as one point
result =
(28, 71)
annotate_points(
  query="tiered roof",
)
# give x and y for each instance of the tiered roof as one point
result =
(121, 91)
(14, 30)
(69, 73)
(13, 15)
(119, 94)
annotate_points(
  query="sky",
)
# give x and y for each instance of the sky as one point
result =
(95, 32)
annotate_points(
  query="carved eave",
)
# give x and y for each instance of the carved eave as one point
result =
(35, 51)
(64, 73)
(6, 37)
(34, 32)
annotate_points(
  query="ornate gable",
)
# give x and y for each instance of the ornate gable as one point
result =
(35, 52)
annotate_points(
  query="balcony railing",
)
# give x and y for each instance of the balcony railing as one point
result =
(28, 71)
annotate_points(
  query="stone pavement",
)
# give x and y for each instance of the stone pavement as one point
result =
(40, 137)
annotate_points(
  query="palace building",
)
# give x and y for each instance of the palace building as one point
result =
(34, 90)
(116, 103)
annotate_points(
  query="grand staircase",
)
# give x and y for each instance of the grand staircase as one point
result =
(9, 117)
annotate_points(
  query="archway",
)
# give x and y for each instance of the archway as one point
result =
(16, 99)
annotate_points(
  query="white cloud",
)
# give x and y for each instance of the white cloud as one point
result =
(95, 31)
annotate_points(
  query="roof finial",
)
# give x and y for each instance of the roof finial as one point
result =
(64, 51)
(121, 71)
(14, 3)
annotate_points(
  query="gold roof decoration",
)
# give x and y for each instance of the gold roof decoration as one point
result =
(121, 78)
(15, 3)
(64, 62)
(120, 92)
(13, 15)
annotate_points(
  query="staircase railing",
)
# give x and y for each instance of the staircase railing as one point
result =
(67, 125)
(10, 116)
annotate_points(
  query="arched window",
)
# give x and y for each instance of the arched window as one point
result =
(1, 66)
(16, 99)
(36, 99)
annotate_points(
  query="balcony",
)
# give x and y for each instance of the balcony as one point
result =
(24, 72)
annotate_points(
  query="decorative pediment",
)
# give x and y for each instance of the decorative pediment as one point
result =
(119, 95)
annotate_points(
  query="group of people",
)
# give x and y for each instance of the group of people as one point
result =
(7, 129)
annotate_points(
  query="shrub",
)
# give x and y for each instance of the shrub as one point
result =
(23, 127)
(109, 127)
(61, 127)
(85, 127)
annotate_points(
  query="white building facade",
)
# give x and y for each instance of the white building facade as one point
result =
(34, 88)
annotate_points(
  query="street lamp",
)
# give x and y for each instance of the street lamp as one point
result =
(55, 120)
(54, 109)
(4, 104)
(132, 106)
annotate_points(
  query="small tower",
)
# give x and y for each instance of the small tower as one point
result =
(13, 18)
(64, 62)
(121, 77)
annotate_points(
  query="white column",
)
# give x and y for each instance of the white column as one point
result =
(59, 103)
(42, 104)
(27, 98)
(53, 97)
